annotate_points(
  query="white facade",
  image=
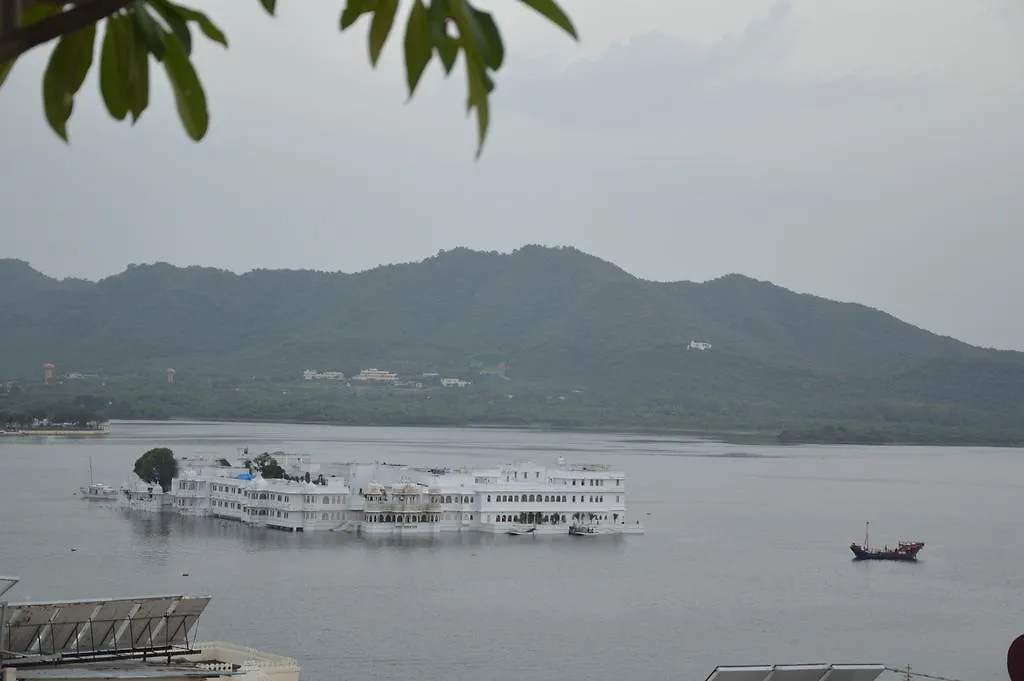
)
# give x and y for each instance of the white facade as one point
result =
(144, 496)
(387, 499)
(313, 375)
(377, 375)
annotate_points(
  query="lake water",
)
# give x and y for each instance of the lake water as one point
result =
(745, 560)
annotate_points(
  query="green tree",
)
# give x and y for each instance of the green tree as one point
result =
(136, 30)
(265, 465)
(157, 466)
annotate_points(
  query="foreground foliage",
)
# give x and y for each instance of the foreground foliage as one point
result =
(138, 31)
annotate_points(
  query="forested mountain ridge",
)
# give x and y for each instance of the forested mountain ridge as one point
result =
(555, 317)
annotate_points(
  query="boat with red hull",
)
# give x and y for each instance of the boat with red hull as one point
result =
(905, 550)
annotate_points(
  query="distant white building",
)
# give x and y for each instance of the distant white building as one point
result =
(313, 375)
(699, 345)
(455, 383)
(378, 498)
(376, 375)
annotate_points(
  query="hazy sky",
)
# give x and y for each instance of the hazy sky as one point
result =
(864, 150)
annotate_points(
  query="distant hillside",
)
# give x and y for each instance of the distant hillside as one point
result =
(557, 319)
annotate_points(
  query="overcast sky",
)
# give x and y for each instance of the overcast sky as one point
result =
(863, 150)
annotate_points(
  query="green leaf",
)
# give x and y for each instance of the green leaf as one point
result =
(479, 84)
(480, 87)
(115, 78)
(270, 6)
(419, 48)
(138, 71)
(355, 9)
(492, 48)
(150, 31)
(188, 91)
(208, 28)
(37, 11)
(69, 63)
(447, 46)
(380, 27)
(554, 13)
(448, 51)
(175, 22)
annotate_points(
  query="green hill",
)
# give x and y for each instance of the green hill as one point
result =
(555, 319)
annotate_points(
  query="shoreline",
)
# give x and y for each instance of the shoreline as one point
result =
(736, 436)
(54, 433)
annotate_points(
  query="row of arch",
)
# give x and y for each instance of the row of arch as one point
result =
(530, 518)
(403, 517)
(514, 498)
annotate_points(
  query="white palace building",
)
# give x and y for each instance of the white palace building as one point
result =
(389, 499)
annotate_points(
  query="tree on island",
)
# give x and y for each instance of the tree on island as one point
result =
(136, 30)
(265, 465)
(157, 466)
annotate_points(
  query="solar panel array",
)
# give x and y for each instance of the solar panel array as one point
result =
(7, 583)
(99, 627)
(799, 672)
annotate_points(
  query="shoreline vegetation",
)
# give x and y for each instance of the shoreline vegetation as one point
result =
(539, 338)
(66, 410)
(821, 435)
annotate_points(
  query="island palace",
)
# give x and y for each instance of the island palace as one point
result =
(389, 499)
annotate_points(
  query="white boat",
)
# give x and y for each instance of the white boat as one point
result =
(97, 491)
(584, 531)
(521, 529)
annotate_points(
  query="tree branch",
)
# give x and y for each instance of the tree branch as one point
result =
(15, 43)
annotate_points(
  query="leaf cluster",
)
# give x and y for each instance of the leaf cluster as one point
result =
(157, 466)
(447, 28)
(139, 31)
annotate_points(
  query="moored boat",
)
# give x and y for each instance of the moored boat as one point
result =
(904, 550)
(97, 491)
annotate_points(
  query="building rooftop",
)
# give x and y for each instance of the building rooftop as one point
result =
(125, 669)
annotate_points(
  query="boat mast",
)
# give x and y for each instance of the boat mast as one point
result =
(90, 470)
(866, 526)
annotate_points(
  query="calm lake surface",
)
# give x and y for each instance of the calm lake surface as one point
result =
(745, 560)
